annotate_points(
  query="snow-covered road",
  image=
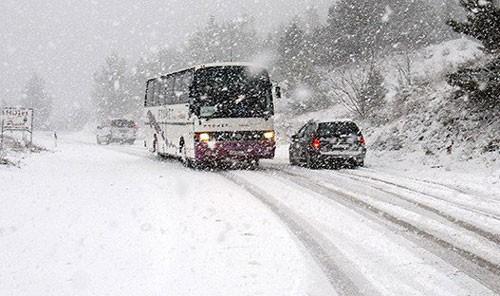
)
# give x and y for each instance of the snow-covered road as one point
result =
(112, 220)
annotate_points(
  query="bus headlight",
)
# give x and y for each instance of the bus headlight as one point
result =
(269, 135)
(204, 137)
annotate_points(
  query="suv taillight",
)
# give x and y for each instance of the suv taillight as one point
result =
(316, 143)
(362, 140)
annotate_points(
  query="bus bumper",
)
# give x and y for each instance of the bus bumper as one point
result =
(238, 151)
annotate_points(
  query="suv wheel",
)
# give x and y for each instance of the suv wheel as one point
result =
(311, 162)
(292, 159)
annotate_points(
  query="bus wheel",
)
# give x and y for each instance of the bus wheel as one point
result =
(252, 165)
(182, 151)
(187, 162)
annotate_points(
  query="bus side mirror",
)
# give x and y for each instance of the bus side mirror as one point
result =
(277, 91)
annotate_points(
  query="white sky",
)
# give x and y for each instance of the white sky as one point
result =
(65, 41)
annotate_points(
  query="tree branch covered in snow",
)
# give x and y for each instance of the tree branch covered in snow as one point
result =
(361, 91)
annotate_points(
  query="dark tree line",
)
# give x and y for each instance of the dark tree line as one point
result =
(480, 85)
(36, 97)
(119, 89)
(356, 31)
(49, 113)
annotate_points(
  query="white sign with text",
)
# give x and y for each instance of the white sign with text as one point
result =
(16, 118)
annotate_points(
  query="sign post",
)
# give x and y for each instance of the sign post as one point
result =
(1, 135)
(17, 119)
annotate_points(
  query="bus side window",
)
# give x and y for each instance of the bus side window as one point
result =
(162, 92)
(158, 92)
(188, 81)
(149, 93)
(182, 86)
(175, 89)
(169, 90)
(154, 92)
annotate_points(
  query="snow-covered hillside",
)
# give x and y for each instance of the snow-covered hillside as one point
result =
(421, 125)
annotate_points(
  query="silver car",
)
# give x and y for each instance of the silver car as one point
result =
(117, 131)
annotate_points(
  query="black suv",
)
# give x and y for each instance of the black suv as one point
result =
(321, 144)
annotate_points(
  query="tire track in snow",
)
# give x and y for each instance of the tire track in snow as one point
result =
(351, 200)
(455, 188)
(318, 246)
(326, 254)
(467, 207)
(493, 237)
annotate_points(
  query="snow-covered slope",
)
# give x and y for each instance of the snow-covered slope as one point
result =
(431, 128)
(423, 126)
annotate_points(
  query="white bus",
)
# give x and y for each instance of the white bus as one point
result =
(212, 114)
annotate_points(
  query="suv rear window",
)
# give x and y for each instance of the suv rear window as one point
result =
(327, 129)
(122, 123)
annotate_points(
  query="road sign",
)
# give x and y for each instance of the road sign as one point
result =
(17, 119)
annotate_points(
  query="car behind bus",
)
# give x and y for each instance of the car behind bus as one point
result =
(117, 131)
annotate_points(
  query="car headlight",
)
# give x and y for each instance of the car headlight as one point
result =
(204, 137)
(269, 135)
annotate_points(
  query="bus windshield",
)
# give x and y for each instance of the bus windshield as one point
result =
(232, 92)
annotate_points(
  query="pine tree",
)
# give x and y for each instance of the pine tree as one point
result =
(111, 95)
(373, 95)
(353, 29)
(293, 60)
(480, 85)
(312, 20)
(234, 40)
(357, 30)
(202, 44)
(296, 69)
(483, 23)
(35, 96)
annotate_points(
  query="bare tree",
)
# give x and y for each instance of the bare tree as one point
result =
(346, 87)
(405, 71)
(361, 91)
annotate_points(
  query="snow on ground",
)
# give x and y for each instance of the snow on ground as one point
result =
(474, 177)
(83, 219)
(379, 261)
(91, 220)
